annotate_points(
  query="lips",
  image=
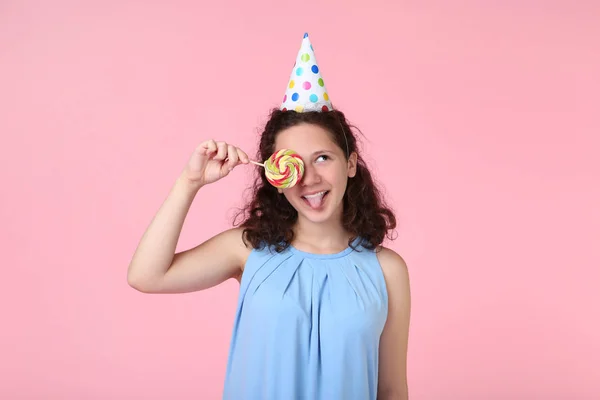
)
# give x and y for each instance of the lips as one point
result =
(316, 200)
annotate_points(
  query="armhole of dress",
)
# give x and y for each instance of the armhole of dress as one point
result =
(248, 260)
(381, 275)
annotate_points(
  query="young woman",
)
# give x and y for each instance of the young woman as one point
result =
(324, 308)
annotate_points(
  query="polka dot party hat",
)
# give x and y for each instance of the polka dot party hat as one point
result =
(306, 90)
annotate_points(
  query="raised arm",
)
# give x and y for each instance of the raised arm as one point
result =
(154, 267)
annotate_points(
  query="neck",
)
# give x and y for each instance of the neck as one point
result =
(324, 237)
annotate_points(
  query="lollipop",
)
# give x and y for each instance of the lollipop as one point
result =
(284, 169)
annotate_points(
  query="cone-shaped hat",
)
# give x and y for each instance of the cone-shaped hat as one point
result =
(306, 89)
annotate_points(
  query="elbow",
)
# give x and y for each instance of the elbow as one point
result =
(136, 282)
(135, 285)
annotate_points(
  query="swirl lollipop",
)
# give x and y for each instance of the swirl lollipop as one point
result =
(284, 169)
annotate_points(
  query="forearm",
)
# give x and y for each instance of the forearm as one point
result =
(156, 249)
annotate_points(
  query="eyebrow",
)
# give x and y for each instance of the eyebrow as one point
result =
(321, 152)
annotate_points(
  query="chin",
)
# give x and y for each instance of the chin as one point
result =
(319, 215)
(319, 218)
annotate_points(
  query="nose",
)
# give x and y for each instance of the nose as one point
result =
(311, 176)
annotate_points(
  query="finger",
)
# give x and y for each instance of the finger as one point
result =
(222, 151)
(233, 157)
(243, 156)
(208, 147)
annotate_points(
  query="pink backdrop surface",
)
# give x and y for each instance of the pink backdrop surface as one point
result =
(480, 120)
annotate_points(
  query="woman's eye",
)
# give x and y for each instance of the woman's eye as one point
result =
(323, 156)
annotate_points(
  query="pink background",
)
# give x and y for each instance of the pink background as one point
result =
(481, 120)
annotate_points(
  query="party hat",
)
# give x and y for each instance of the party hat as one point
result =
(306, 89)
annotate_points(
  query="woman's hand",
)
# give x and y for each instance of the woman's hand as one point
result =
(212, 161)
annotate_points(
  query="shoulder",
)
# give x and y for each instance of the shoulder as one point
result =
(390, 260)
(394, 268)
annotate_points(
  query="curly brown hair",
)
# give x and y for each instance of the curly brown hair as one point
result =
(268, 218)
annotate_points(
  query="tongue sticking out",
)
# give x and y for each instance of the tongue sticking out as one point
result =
(315, 201)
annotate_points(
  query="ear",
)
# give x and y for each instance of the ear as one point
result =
(352, 164)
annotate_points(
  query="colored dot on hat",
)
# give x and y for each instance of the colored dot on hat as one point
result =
(306, 85)
(305, 57)
(321, 83)
(295, 96)
(312, 48)
(325, 108)
(284, 109)
(314, 98)
(306, 35)
(292, 83)
(299, 71)
(299, 108)
(284, 97)
(326, 96)
(314, 69)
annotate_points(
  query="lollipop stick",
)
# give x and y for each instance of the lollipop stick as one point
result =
(257, 163)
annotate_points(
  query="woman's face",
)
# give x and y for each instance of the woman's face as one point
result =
(318, 197)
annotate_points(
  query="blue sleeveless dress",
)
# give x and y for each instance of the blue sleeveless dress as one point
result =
(307, 326)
